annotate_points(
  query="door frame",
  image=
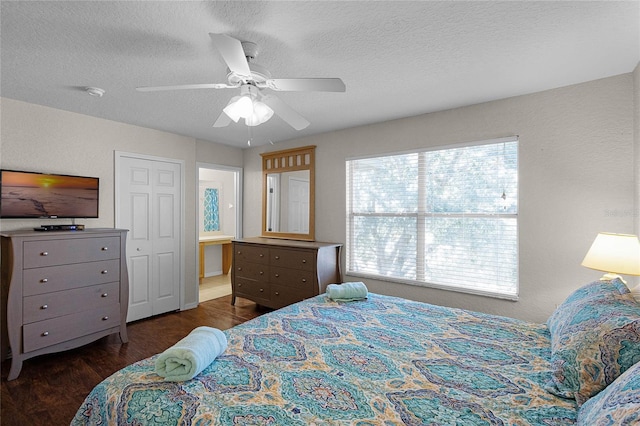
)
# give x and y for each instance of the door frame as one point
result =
(238, 201)
(118, 155)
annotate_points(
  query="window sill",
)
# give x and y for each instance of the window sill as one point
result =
(484, 293)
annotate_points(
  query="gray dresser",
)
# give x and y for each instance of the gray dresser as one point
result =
(276, 273)
(61, 290)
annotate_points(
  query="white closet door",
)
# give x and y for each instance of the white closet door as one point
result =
(149, 205)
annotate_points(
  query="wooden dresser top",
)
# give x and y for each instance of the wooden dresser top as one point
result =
(287, 243)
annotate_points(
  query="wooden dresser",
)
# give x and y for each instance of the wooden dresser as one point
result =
(277, 273)
(61, 290)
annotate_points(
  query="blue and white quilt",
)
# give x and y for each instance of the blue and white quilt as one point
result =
(382, 361)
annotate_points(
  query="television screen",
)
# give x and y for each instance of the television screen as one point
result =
(40, 195)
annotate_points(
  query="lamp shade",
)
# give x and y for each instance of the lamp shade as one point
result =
(261, 113)
(239, 107)
(248, 106)
(614, 253)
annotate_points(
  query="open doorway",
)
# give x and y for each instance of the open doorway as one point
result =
(219, 222)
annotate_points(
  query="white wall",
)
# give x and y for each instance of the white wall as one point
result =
(38, 138)
(576, 179)
(636, 115)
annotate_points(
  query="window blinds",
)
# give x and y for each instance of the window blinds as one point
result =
(444, 218)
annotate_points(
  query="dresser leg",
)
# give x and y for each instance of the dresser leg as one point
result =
(233, 298)
(16, 366)
(123, 334)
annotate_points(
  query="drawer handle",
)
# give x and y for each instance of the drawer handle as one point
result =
(104, 271)
(304, 280)
(44, 253)
(104, 248)
(104, 295)
(277, 275)
(45, 334)
(44, 280)
(304, 260)
(277, 293)
(238, 252)
(44, 306)
(261, 272)
(239, 284)
(261, 255)
(105, 318)
(261, 290)
(277, 257)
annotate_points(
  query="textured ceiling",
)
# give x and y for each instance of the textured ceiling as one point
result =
(397, 59)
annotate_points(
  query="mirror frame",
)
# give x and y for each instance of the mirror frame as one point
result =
(290, 160)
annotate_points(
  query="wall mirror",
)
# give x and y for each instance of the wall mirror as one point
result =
(288, 194)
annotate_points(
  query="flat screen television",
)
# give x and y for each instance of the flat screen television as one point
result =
(35, 195)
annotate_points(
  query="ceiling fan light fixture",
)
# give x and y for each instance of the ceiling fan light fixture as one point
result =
(261, 114)
(248, 106)
(239, 107)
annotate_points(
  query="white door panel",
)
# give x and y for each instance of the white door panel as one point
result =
(140, 305)
(165, 262)
(149, 195)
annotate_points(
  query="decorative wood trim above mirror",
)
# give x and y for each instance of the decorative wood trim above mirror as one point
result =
(288, 193)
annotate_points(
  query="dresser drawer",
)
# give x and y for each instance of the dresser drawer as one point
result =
(37, 254)
(250, 253)
(283, 296)
(291, 277)
(41, 334)
(254, 271)
(66, 277)
(252, 288)
(297, 259)
(59, 303)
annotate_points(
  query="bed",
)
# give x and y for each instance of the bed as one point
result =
(380, 361)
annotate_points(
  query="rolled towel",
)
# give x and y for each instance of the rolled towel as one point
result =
(347, 292)
(189, 356)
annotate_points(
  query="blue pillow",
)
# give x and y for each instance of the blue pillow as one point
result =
(596, 289)
(618, 404)
(595, 337)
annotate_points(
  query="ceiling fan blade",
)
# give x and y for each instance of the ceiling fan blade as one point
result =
(222, 121)
(185, 87)
(307, 84)
(285, 112)
(232, 53)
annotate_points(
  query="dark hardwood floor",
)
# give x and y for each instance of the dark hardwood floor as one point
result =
(51, 388)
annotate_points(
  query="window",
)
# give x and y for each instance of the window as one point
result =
(445, 218)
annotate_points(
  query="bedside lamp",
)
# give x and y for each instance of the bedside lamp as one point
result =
(615, 254)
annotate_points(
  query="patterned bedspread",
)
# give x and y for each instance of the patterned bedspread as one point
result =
(383, 361)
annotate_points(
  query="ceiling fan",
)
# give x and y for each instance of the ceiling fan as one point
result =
(253, 105)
